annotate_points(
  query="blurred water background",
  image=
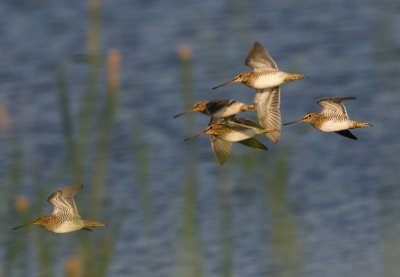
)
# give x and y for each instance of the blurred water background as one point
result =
(87, 94)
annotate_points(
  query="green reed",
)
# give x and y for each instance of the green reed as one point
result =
(72, 157)
(226, 222)
(285, 247)
(141, 166)
(11, 181)
(141, 161)
(189, 255)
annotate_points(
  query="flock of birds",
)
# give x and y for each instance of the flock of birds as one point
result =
(225, 128)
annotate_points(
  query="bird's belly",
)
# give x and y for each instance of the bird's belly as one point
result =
(238, 136)
(268, 81)
(227, 111)
(335, 125)
(69, 226)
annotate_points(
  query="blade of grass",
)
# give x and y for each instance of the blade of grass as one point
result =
(190, 258)
(106, 124)
(226, 223)
(189, 255)
(66, 121)
(140, 155)
(103, 146)
(88, 108)
(285, 246)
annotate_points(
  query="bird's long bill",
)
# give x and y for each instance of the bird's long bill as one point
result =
(224, 84)
(25, 225)
(194, 136)
(182, 113)
(289, 123)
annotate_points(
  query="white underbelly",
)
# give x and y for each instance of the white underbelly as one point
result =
(69, 226)
(228, 111)
(238, 136)
(269, 81)
(335, 125)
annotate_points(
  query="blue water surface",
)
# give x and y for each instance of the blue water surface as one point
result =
(340, 201)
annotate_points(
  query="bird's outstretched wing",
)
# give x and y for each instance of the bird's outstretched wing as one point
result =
(63, 202)
(332, 106)
(221, 149)
(259, 59)
(267, 102)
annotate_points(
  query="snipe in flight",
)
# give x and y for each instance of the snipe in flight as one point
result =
(333, 117)
(219, 108)
(222, 148)
(265, 73)
(224, 131)
(65, 217)
(234, 129)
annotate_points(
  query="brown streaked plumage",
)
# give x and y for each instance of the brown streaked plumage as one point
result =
(267, 103)
(333, 117)
(222, 148)
(265, 73)
(234, 129)
(65, 217)
(218, 108)
(266, 78)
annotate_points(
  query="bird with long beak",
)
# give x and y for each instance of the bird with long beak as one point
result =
(221, 148)
(333, 118)
(65, 217)
(234, 130)
(265, 72)
(224, 131)
(266, 78)
(218, 108)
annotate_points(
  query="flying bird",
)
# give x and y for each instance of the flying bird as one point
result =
(333, 118)
(65, 217)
